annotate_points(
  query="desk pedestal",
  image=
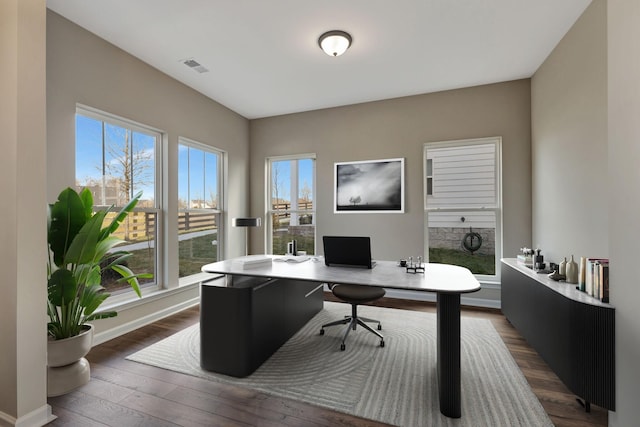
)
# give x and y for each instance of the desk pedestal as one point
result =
(449, 354)
(242, 325)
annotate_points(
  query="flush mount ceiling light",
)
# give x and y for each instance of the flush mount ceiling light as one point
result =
(335, 43)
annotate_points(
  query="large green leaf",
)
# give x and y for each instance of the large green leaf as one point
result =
(128, 275)
(67, 217)
(100, 315)
(62, 287)
(91, 298)
(83, 247)
(116, 258)
(88, 274)
(87, 201)
(105, 245)
(115, 223)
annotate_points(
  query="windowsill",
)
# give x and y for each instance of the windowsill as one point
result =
(197, 278)
(487, 284)
(130, 300)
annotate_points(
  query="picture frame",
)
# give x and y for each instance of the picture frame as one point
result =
(369, 186)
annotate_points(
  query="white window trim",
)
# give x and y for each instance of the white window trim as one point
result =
(221, 172)
(96, 114)
(268, 229)
(497, 208)
(428, 176)
(160, 136)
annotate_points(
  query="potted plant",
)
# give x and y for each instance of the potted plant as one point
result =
(80, 249)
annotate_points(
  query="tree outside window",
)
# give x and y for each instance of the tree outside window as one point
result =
(115, 160)
(291, 206)
(199, 206)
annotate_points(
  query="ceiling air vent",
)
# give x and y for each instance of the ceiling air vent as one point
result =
(195, 65)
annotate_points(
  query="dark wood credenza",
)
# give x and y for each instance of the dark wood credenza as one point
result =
(573, 332)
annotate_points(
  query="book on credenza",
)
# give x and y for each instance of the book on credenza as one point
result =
(597, 278)
(588, 279)
(603, 281)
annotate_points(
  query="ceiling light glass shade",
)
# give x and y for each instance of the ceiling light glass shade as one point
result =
(335, 43)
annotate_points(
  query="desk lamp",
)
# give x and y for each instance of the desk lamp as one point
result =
(246, 222)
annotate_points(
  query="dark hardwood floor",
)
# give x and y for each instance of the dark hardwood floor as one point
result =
(123, 393)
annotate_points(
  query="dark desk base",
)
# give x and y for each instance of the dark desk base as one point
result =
(242, 326)
(449, 377)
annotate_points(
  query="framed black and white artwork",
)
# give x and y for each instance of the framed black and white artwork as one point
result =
(369, 186)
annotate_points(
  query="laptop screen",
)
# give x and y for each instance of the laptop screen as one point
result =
(347, 251)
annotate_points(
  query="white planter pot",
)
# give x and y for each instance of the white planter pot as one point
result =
(67, 368)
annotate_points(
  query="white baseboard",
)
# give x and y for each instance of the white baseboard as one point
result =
(38, 417)
(112, 333)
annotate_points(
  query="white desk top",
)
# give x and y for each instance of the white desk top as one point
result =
(440, 278)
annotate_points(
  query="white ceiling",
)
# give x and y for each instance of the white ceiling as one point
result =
(264, 58)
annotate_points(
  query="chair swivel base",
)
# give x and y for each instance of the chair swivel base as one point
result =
(352, 322)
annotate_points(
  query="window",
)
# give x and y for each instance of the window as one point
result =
(116, 159)
(290, 203)
(429, 176)
(199, 206)
(463, 204)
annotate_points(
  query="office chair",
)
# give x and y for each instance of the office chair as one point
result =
(354, 295)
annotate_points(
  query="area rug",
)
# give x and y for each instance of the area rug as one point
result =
(396, 384)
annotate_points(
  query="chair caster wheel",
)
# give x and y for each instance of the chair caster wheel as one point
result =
(379, 326)
(321, 331)
(342, 347)
(381, 343)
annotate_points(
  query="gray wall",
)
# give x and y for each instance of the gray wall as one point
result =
(624, 199)
(586, 157)
(399, 128)
(569, 142)
(82, 68)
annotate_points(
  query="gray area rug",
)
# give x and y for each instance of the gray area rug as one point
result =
(396, 384)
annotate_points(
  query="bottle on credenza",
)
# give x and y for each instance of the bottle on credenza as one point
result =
(562, 267)
(571, 271)
(582, 273)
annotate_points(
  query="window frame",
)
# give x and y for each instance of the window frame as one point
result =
(157, 209)
(428, 167)
(268, 229)
(219, 212)
(497, 207)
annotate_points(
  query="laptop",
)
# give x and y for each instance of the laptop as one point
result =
(345, 251)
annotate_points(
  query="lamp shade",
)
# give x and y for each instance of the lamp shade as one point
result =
(335, 42)
(246, 222)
